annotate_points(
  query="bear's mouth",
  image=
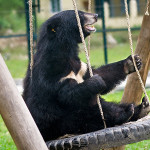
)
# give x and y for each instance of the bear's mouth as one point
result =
(90, 20)
(90, 28)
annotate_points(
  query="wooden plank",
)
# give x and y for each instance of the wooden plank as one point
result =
(16, 115)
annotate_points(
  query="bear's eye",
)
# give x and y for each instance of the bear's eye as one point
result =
(53, 30)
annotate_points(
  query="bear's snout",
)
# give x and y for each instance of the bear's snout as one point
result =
(90, 19)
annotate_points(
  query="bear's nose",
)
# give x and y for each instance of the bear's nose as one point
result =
(96, 16)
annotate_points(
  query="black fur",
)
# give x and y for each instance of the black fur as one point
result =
(68, 107)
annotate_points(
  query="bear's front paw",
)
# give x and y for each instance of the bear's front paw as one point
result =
(145, 107)
(129, 65)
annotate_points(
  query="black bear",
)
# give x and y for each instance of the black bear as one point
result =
(61, 95)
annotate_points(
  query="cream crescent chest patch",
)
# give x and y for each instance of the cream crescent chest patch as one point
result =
(79, 76)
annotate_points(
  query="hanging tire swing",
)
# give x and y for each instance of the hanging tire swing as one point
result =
(128, 133)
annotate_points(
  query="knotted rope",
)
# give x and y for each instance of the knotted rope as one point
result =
(87, 57)
(31, 35)
(89, 38)
(147, 12)
(131, 47)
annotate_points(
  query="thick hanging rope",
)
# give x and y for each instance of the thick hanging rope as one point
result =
(131, 47)
(89, 6)
(31, 35)
(147, 13)
(87, 57)
(89, 38)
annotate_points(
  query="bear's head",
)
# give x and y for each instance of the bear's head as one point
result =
(63, 27)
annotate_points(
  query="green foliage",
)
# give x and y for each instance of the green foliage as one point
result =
(13, 21)
(4, 24)
(11, 15)
(11, 5)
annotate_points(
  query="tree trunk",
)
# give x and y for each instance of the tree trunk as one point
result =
(16, 115)
(133, 91)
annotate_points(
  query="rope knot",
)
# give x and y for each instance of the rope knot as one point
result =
(147, 12)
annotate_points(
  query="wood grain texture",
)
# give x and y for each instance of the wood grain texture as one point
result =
(16, 115)
(133, 91)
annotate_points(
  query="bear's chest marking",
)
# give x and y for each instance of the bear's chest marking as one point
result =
(79, 76)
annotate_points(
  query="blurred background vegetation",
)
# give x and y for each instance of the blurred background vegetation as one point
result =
(12, 16)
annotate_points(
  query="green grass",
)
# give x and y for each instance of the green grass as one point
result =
(17, 67)
(6, 142)
(116, 53)
(116, 96)
(16, 60)
(144, 145)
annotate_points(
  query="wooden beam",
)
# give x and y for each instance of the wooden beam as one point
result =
(16, 115)
(133, 91)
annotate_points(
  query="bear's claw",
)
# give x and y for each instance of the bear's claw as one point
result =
(145, 107)
(145, 102)
(129, 65)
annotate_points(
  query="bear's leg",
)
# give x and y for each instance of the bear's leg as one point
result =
(89, 118)
(116, 114)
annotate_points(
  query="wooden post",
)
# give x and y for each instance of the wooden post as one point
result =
(133, 91)
(16, 115)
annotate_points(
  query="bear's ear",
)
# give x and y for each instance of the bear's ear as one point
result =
(53, 26)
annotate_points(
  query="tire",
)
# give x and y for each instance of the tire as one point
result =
(128, 133)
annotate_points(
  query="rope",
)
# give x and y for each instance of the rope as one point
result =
(87, 57)
(147, 13)
(89, 6)
(131, 47)
(31, 35)
(89, 38)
